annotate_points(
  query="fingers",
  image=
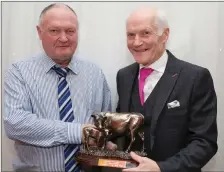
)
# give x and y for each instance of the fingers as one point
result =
(136, 157)
(84, 127)
(130, 170)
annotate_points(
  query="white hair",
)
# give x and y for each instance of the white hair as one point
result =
(161, 21)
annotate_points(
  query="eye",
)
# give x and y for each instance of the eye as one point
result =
(130, 34)
(147, 33)
(54, 31)
(70, 32)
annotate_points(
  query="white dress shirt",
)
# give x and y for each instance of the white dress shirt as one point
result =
(158, 70)
(32, 114)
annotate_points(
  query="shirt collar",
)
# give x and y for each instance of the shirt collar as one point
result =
(48, 63)
(159, 65)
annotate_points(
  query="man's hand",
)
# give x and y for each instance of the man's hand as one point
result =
(145, 164)
(92, 142)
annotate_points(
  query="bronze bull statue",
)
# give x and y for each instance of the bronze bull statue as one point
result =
(119, 124)
(91, 132)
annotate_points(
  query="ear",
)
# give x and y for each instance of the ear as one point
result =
(165, 35)
(104, 118)
(94, 115)
(103, 114)
(39, 31)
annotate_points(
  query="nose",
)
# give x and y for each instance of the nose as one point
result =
(63, 37)
(137, 41)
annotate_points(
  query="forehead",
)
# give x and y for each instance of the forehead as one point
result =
(140, 22)
(59, 17)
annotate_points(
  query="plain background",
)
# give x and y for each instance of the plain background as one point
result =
(196, 36)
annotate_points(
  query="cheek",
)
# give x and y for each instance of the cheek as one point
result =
(73, 41)
(130, 44)
(49, 41)
(151, 42)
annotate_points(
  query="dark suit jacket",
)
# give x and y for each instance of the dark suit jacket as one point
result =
(182, 138)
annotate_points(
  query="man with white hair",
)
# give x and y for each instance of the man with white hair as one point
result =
(177, 99)
(50, 98)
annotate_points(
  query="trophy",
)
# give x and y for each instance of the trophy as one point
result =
(109, 125)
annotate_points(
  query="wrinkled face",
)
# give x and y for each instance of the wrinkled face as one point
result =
(58, 32)
(143, 39)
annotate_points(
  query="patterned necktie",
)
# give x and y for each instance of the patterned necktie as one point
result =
(66, 115)
(144, 73)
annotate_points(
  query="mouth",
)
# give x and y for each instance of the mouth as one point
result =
(63, 46)
(142, 50)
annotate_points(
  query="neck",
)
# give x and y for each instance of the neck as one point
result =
(63, 63)
(157, 55)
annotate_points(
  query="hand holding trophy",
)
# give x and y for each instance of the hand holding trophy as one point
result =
(109, 125)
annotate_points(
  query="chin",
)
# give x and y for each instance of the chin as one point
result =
(139, 60)
(65, 55)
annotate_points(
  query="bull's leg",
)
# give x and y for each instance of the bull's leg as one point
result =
(134, 125)
(84, 145)
(105, 142)
(106, 135)
(141, 134)
(132, 132)
(143, 148)
(98, 139)
(87, 142)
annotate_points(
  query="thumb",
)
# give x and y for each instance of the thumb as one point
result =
(136, 157)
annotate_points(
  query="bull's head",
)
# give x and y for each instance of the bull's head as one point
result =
(98, 118)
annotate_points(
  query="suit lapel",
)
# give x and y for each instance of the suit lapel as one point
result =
(129, 83)
(163, 90)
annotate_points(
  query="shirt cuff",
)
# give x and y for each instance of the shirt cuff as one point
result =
(74, 133)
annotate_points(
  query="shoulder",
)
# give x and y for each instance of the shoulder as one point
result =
(194, 71)
(88, 66)
(21, 69)
(188, 69)
(128, 69)
(25, 64)
(89, 69)
(192, 67)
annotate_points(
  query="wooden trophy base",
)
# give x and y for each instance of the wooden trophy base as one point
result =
(106, 158)
(106, 162)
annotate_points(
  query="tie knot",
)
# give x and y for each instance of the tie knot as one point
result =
(145, 72)
(62, 72)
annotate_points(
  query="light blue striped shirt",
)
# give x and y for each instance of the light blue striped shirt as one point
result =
(31, 115)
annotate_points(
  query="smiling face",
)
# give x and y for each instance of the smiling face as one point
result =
(58, 32)
(143, 38)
